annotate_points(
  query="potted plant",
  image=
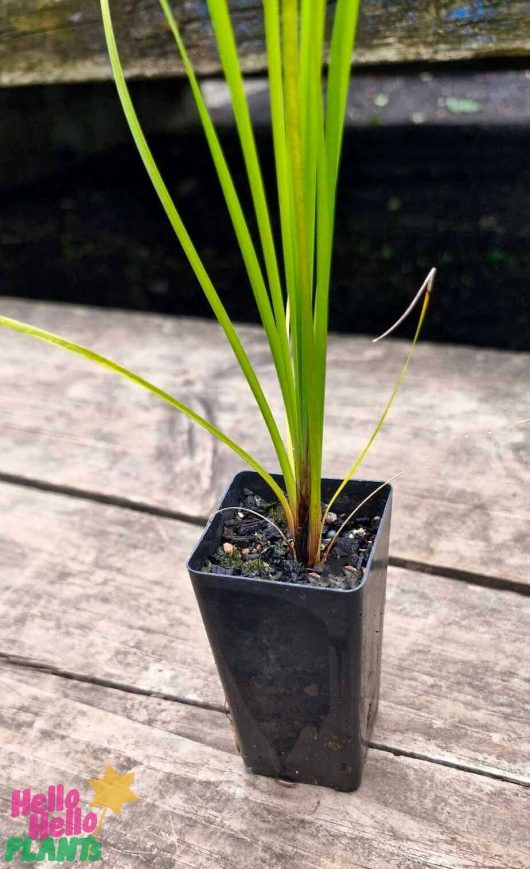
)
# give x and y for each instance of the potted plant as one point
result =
(290, 572)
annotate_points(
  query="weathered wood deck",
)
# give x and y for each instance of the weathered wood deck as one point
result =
(103, 658)
(43, 41)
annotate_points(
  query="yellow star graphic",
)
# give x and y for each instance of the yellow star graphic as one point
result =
(113, 790)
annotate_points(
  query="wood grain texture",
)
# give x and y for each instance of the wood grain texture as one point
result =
(198, 807)
(460, 503)
(207, 726)
(61, 40)
(102, 592)
(491, 97)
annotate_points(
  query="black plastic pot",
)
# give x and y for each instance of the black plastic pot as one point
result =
(299, 664)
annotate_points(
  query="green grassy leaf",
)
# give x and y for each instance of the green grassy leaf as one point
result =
(191, 252)
(276, 335)
(289, 276)
(116, 368)
(397, 386)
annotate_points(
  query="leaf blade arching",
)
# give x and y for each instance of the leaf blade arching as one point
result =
(397, 386)
(307, 154)
(94, 357)
(277, 337)
(191, 252)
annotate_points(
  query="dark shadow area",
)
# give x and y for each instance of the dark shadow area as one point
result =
(411, 197)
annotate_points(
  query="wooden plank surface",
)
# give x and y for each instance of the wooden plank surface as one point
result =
(445, 97)
(62, 40)
(460, 503)
(101, 592)
(197, 807)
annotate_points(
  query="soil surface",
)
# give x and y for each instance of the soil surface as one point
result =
(260, 546)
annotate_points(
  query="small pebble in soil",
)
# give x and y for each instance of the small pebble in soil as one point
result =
(251, 546)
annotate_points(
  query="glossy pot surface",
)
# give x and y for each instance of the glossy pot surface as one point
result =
(299, 664)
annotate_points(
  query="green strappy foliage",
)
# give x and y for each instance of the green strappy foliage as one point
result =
(289, 276)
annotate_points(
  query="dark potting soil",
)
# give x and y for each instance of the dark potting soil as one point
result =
(252, 546)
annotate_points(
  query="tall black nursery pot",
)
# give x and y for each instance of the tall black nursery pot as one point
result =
(299, 664)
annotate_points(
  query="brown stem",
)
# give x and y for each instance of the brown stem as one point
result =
(301, 520)
(306, 545)
(301, 541)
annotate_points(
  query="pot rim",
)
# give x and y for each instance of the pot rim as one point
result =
(249, 580)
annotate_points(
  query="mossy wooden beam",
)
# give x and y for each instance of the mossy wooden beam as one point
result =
(62, 40)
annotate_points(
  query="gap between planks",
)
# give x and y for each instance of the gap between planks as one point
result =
(36, 666)
(56, 437)
(471, 577)
(407, 813)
